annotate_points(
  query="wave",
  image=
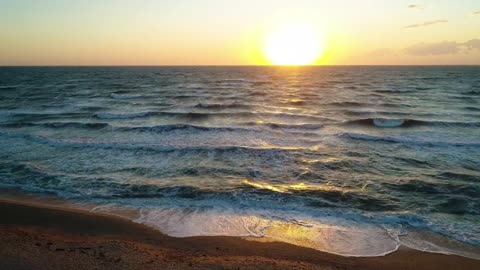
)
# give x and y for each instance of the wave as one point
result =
(285, 126)
(453, 204)
(183, 211)
(56, 125)
(296, 102)
(261, 83)
(367, 114)
(445, 189)
(253, 210)
(38, 177)
(471, 108)
(347, 103)
(347, 237)
(391, 123)
(192, 116)
(154, 129)
(144, 147)
(91, 108)
(124, 115)
(349, 233)
(125, 96)
(205, 115)
(408, 140)
(92, 187)
(220, 106)
(172, 127)
(187, 171)
(394, 90)
(459, 176)
(182, 115)
(472, 92)
(385, 122)
(9, 87)
(28, 116)
(458, 206)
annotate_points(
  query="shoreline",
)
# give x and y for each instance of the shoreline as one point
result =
(47, 237)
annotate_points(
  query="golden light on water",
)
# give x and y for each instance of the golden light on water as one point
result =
(285, 188)
(264, 186)
(294, 44)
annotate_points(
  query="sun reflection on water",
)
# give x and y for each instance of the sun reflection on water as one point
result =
(286, 188)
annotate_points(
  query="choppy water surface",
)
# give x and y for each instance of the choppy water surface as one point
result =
(348, 160)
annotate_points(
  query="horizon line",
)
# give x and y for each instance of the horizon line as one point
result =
(227, 65)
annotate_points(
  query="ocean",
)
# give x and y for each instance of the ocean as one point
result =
(351, 160)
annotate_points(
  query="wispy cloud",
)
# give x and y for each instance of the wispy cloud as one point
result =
(430, 49)
(438, 48)
(473, 44)
(476, 13)
(417, 7)
(426, 23)
(443, 48)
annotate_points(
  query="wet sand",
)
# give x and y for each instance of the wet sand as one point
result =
(41, 237)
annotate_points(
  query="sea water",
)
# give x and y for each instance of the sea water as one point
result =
(354, 161)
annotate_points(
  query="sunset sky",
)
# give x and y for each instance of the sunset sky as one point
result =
(224, 32)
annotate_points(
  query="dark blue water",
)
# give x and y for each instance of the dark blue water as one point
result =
(349, 160)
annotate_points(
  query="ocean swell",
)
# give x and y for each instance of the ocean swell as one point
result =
(394, 123)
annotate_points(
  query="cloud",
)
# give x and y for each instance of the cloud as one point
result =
(443, 48)
(439, 48)
(473, 44)
(426, 23)
(417, 7)
(476, 13)
(430, 49)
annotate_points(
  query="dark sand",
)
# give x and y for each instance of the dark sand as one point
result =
(38, 237)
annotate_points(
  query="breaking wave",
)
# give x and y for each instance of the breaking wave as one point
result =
(393, 123)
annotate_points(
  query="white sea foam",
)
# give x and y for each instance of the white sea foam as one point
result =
(352, 235)
(333, 236)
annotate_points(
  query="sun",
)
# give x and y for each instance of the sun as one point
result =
(293, 44)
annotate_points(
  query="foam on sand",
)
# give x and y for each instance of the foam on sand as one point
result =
(346, 240)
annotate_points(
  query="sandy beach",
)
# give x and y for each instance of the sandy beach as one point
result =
(41, 237)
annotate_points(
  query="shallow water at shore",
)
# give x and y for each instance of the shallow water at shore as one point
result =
(349, 160)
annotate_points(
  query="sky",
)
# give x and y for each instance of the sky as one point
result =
(232, 32)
